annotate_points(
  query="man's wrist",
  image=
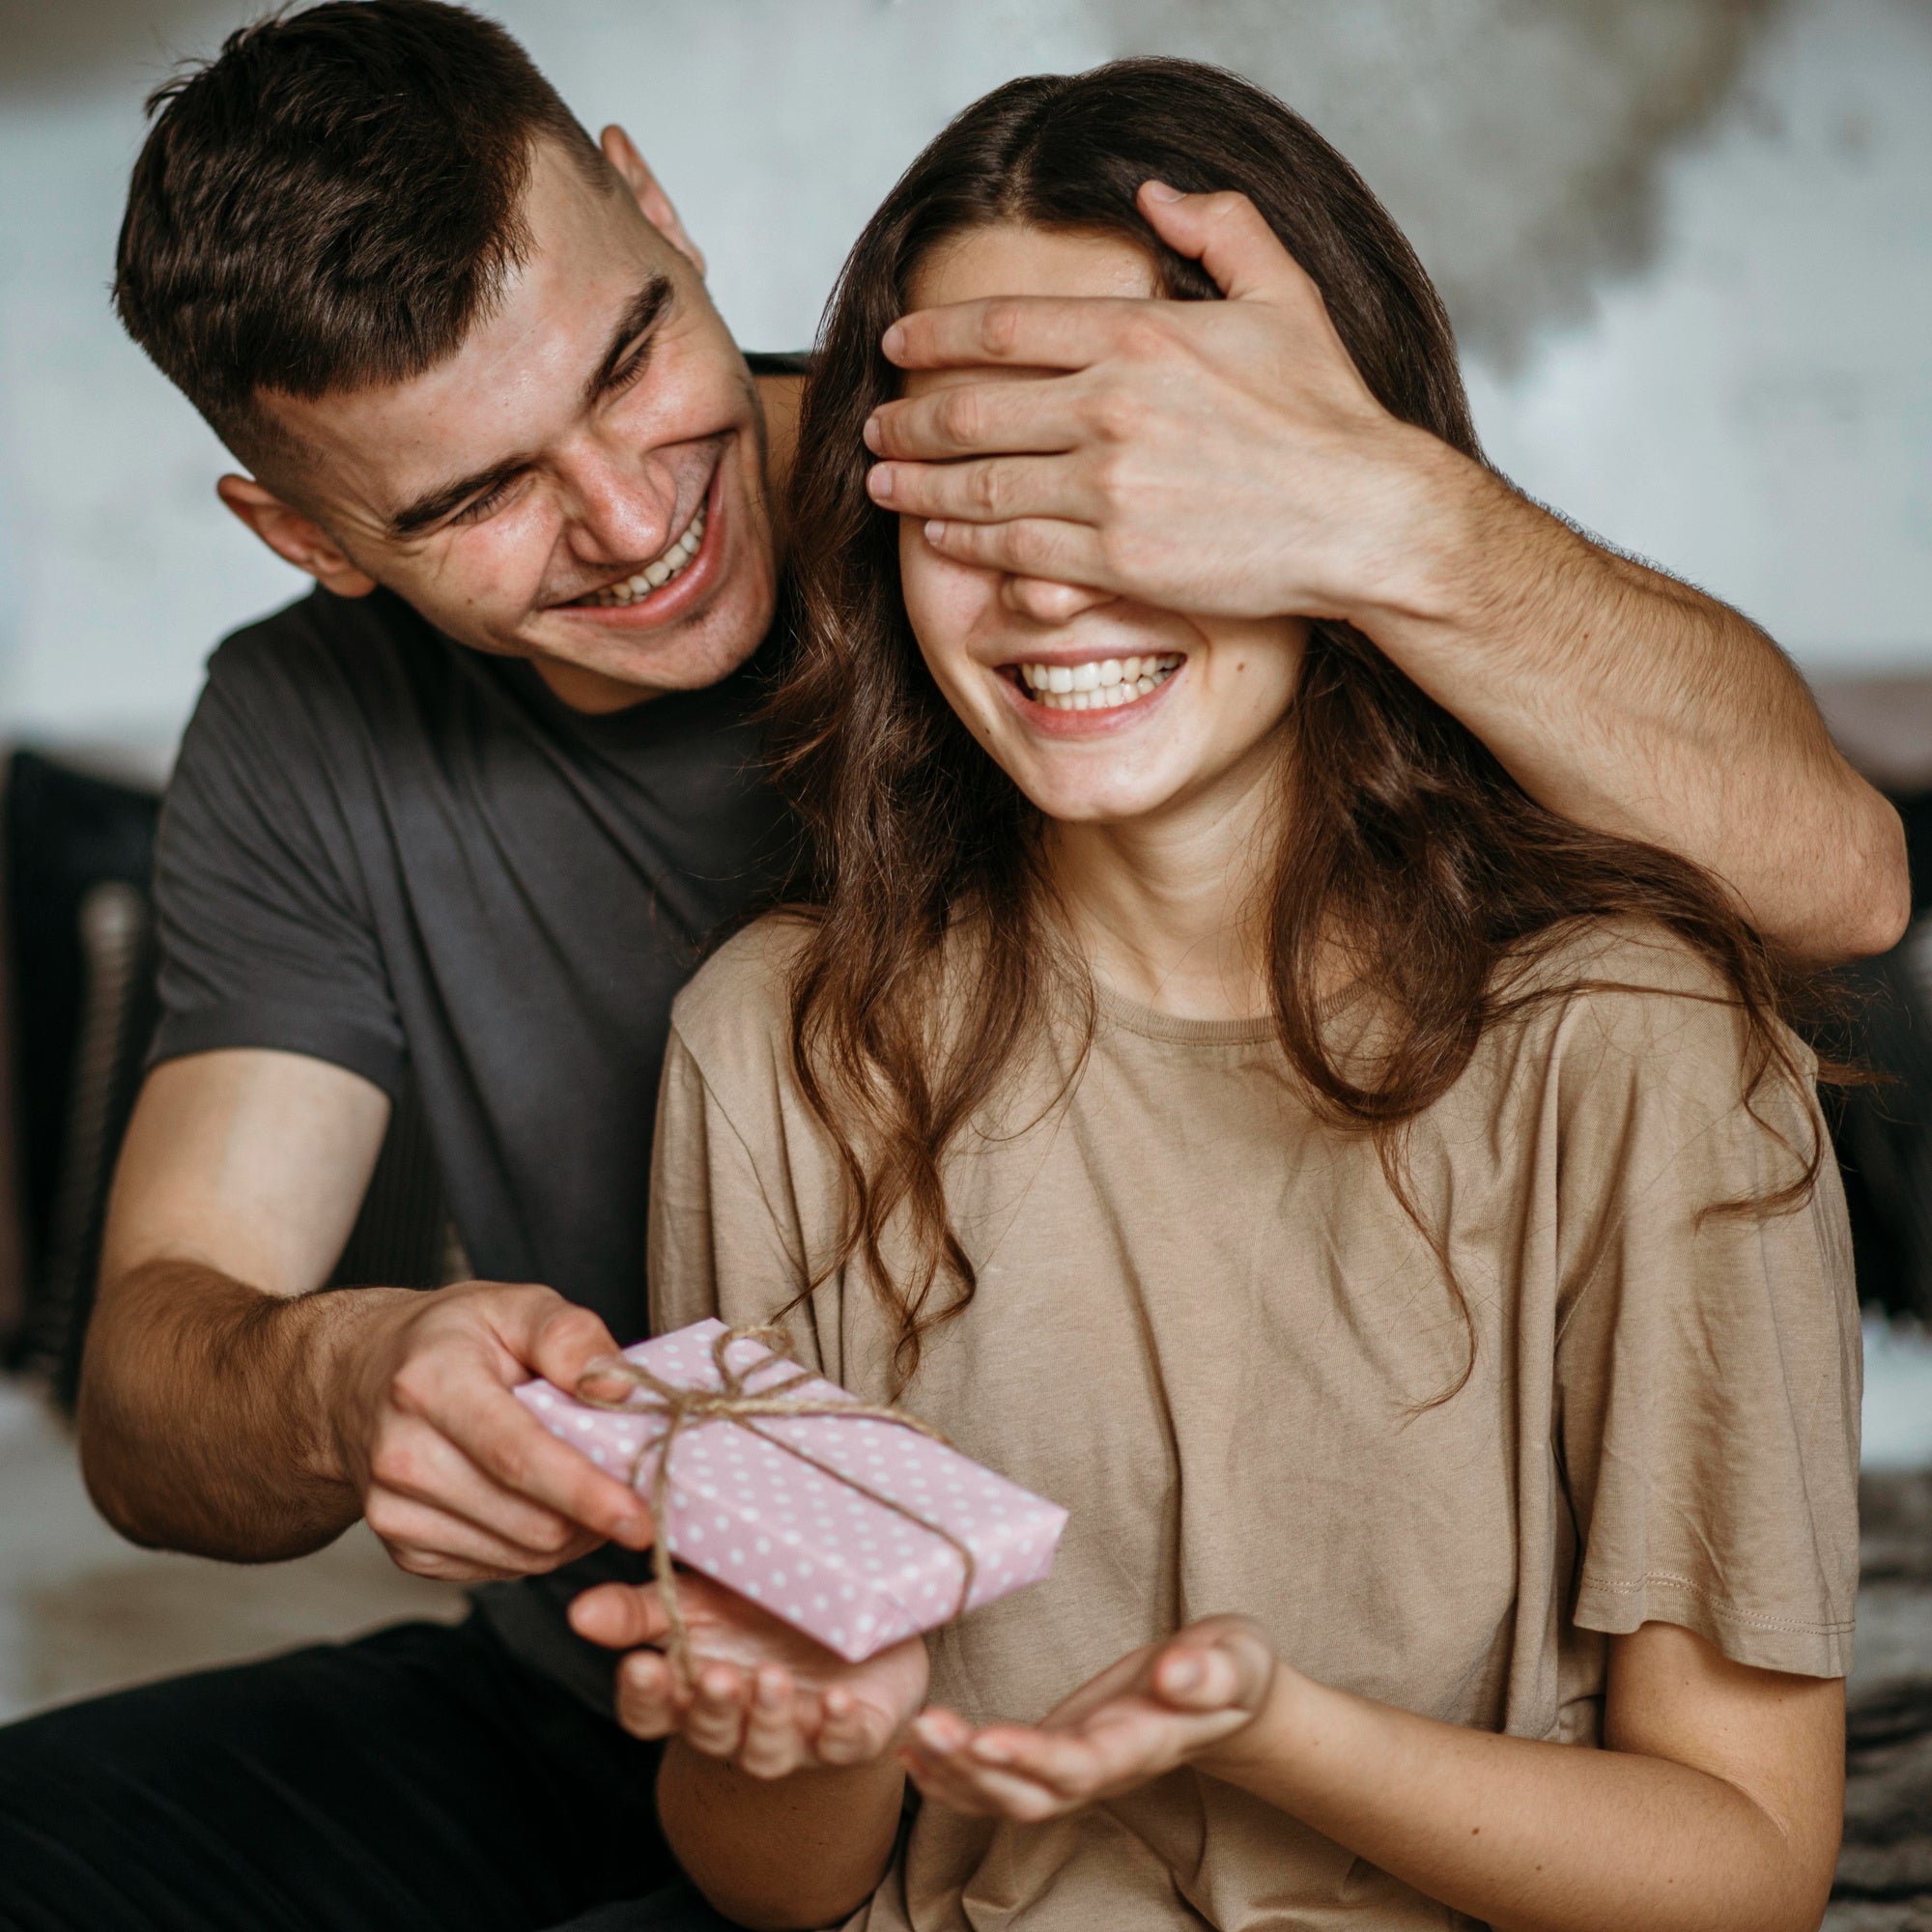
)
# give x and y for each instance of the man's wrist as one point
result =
(1429, 523)
(340, 1328)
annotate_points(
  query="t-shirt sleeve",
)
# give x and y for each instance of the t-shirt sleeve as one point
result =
(265, 940)
(1708, 1367)
(719, 1243)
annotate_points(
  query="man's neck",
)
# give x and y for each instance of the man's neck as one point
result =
(589, 692)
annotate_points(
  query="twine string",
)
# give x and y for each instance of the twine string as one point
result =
(731, 1400)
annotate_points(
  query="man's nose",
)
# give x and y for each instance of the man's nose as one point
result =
(622, 511)
(1046, 602)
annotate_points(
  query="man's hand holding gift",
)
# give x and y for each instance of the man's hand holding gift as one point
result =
(455, 1476)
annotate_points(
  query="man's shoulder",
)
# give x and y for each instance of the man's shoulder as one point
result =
(323, 683)
(312, 642)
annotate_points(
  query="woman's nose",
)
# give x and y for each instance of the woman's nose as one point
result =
(1046, 602)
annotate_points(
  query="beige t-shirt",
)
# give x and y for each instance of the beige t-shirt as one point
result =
(1205, 1325)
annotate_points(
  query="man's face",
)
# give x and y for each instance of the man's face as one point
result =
(582, 484)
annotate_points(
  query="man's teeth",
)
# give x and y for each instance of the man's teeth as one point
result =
(653, 576)
(1103, 685)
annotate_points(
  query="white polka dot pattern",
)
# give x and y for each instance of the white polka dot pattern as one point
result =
(829, 1560)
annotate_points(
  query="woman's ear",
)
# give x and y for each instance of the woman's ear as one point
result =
(621, 152)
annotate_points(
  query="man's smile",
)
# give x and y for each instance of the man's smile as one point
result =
(668, 563)
(674, 583)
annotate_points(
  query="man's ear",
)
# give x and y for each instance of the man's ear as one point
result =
(622, 155)
(292, 536)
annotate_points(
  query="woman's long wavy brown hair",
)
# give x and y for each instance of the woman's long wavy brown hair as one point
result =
(1406, 833)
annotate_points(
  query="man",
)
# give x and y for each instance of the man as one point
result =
(466, 815)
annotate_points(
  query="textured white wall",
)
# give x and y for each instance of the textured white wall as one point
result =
(1751, 405)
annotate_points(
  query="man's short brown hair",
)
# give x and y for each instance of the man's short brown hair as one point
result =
(331, 201)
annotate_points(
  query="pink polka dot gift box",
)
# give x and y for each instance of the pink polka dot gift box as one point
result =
(856, 1529)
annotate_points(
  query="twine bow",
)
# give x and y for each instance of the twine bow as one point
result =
(731, 1400)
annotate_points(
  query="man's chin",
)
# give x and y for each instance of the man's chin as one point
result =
(596, 661)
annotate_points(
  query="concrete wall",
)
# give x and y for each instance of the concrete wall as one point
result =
(1688, 244)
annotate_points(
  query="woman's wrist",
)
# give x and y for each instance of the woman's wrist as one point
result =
(1284, 1732)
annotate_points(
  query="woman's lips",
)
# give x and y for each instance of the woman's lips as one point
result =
(1058, 713)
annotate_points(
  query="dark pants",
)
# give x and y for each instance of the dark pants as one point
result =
(421, 1778)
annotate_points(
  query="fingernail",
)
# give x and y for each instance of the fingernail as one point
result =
(929, 1734)
(871, 434)
(893, 341)
(880, 480)
(1160, 191)
(935, 532)
(989, 1752)
(1184, 1674)
(634, 1529)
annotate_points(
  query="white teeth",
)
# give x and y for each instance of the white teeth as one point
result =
(653, 576)
(1098, 686)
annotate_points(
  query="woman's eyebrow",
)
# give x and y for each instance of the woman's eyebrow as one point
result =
(642, 315)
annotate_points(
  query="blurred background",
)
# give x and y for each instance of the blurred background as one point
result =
(1687, 246)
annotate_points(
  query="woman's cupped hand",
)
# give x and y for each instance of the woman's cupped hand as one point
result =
(1162, 1706)
(760, 1695)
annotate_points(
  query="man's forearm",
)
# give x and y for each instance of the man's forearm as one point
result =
(1634, 704)
(785, 1854)
(202, 1425)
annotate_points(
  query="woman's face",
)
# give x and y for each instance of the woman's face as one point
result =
(1100, 709)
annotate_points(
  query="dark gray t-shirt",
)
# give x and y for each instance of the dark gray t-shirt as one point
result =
(387, 851)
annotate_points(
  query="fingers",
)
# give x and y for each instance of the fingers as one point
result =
(774, 1743)
(976, 418)
(1221, 1663)
(849, 1732)
(988, 489)
(416, 1464)
(1227, 234)
(497, 1434)
(1040, 547)
(649, 1702)
(1010, 331)
(621, 1617)
(554, 1337)
(937, 1759)
(429, 1542)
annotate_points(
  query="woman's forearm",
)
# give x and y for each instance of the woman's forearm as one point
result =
(780, 1855)
(1528, 1836)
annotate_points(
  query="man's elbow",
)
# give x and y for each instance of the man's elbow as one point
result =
(1869, 903)
(1883, 910)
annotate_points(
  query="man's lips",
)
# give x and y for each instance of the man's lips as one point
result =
(672, 601)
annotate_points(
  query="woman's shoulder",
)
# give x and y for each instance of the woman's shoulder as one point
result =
(1627, 1003)
(741, 997)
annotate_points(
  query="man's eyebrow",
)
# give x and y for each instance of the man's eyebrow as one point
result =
(646, 310)
(642, 314)
(429, 509)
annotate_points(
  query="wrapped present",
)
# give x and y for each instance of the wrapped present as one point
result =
(855, 1524)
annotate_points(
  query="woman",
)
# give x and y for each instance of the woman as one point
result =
(1390, 1218)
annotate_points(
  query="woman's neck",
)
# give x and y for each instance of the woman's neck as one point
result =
(1166, 907)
